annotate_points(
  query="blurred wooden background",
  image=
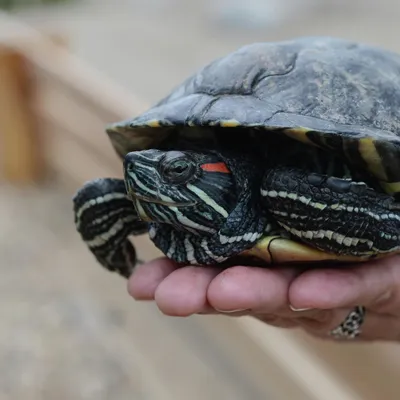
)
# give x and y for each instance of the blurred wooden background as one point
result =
(69, 329)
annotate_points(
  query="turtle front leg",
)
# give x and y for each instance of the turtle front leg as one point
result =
(335, 215)
(105, 217)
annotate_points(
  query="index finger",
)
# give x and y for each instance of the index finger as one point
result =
(145, 279)
(375, 284)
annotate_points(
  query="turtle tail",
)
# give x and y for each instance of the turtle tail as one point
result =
(105, 217)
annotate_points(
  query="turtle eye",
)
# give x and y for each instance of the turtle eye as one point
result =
(177, 168)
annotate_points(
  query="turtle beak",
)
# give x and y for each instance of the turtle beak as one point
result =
(140, 211)
(129, 165)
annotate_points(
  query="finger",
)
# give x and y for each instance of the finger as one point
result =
(375, 326)
(146, 278)
(184, 291)
(375, 284)
(260, 290)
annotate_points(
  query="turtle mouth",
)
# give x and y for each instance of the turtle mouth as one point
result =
(161, 202)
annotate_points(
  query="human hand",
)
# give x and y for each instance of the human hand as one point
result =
(316, 300)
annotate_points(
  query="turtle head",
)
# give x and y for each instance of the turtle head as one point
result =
(193, 191)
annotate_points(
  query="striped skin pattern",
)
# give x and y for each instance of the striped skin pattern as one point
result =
(203, 208)
(105, 217)
(332, 214)
(335, 215)
(203, 215)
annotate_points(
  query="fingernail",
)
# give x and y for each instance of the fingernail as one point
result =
(298, 309)
(232, 311)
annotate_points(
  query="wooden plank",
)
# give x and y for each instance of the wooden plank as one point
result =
(83, 165)
(310, 371)
(71, 92)
(373, 369)
(67, 110)
(109, 98)
(21, 147)
(258, 367)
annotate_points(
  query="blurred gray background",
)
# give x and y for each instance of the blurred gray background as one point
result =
(151, 45)
(68, 329)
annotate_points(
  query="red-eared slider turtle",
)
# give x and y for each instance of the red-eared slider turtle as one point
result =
(284, 151)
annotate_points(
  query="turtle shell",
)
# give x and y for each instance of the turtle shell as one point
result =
(335, 94)
(332, 93)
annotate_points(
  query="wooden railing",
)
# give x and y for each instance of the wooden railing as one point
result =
(71, 104)
(70, 100)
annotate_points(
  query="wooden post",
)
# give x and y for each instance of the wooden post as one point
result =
(21, 150)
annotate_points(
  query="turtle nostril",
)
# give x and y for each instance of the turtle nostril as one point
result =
(129, 162)
(130, 166)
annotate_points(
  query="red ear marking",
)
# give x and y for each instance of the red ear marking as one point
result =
(216, 167)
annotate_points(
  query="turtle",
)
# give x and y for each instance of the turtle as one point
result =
(277, 152)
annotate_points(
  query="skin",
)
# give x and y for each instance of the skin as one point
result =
(315, 301)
